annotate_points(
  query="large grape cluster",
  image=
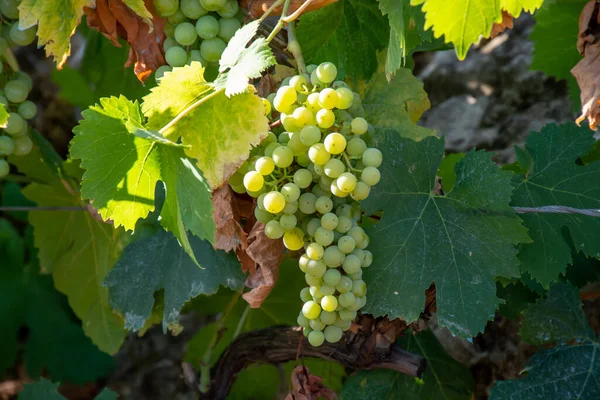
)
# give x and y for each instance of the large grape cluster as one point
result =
(308, 181)
(14, 87)
(198, 30)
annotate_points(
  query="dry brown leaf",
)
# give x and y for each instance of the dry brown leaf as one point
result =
(115, 20)
(266, 85)
(587, 71)
(266, 254)
(499, 27)
(256, 8)
(308, 387)
(229, 234)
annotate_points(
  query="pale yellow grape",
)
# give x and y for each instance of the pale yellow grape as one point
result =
(283, 156)
(274, 202)
(344, 224)
(357, 233)
(324, 236)
(312, 280)
(253, 181)
(359, 126)
(328, 98)
(318, 154)
(316, 325)
(326, 72)
(332, 277)
(346, 299)
(311, 310)
(361, 191)
(335, 143)
(370, 176)
(315, 251)
(298, 82)
(345, 98)
(267, 105)
(329, 303)
(329, 221)
(346, 244)
(337, 192)
(359, 288)
(290, 192)
(303, 116)
(372, 157)
(264, 165)
(346, 182)
(342, 324)
(316, 338)
(294, 239)
(324, 204)
(312, 102)
(305, 296)
(287, 94)
(325, 118)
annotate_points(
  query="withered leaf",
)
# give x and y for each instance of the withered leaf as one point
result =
(587, 71)
(499, 27)
(256, 8)
(266, 254)
(308, 387)
(229, 234)
(115, 20)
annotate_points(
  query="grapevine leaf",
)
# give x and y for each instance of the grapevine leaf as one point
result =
(3, 116)
(444, 377)
(238, 64)
(122, 183)
(79, 251)
(564, 372)
(557, 318)
(40, 390)
(446, 172)
(460, 241)
(56, 20)
(554, 178)
(583, 270)
(397, 104)
(42, 163)
(517, 296)
(463, 22)
(347, 33)
(138, 7)
(158, 262)
(406, 32)
(221, 131)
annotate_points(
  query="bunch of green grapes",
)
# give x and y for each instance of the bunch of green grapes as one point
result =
(308, 181)
(14, 87)
(198, 30)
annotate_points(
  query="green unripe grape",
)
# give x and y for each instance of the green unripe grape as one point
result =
(229, 10)
(7, 146)
(310, 135)
(327, 290)
(356, 276)
(312, 280)
(16, 125)
(333, 334)
(288, 221)
(306, 332)
(351, 264)
(325, 118)
(311, 310)
(343, 324)
(316, 338)
(315, 251)
(303, 321)
(176, 56)
(347, 315)
(228, 27)
(213, 5)
(177, 18)
(361, 191)
(360, 254)
(357, 233)
(10, 8)
(270, 148)
(359, 288)
(333, 257)
(334, 168)
(356, 147)
(344, 285)
(273, 230)
(160, 72)
(283, 156)
(345, 98)
(166, 8)
(196, 55)
(169, 30)
(325, 182)
(291, 192)
(324, 236)
(306, 204)
(27, 109)
(359, 126)
(302, 178)
(23, 145)
(303, 160)
(316, 324)
(23, 77)
(169, 42)
(185, 34)
(239, 188)
(315, 81)
(4, 168)
(332, 277)
(326, 72)
(344, 224)
(316, 268)
(329, 221)
(207, 27)
(346, 299)
(262, 216)
(370, 176)
(192, 9)
(290, 208)
(368, 259)
(303, 263)
(372, 158)
(16, 91)
(305, 296)
(346, 245)
(324, 205)
(3, 99)
(212, 49)
(298, 82)
(22, 37)
(328, 318)
(312, 226)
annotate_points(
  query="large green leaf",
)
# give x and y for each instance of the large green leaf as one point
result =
(464, 22)
(444, 377)
(397, 104)
(122, 181)
(221, 131)
(347, 33)
(79, 250)
(406, 32)
(159, 262)
(460, 241)
(555, 178)
(56, 21)
(557, 318)
(564, 372)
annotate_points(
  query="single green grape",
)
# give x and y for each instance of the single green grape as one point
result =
(305, 295)
(316, 338)
(326, 72)
(335, 143)
(22, 37)
(262, 216)
(228, 27)
(27, 110)
(310, 135)
(273, 230)
(16, 125)
(229, 10)
(7, 146)
(283, 156)
(306, 203)
(23, 145)
(334, 168)
(345, 98)
(316, 268)
(302, 178)
(347, 315)
(177, 18)
(288, 221)
(291, 192)
(370, 176)
(346, 299)
(327, 290)
(324, 205)
(346, 182)
(328, 317)
(333, 334)
(312, 226)
(207, 27)
(329, 221)
(344, 285)
(192, 9)
(323, 236)
(166, 8)
(185, 34)
(290, 208)
(16, 91)
(351, 264)
(343, 324)
(368, 259)
(359, 126)
(315, 251)
(361, 191)
(213, 5)
(332, 277)
(212, 49)
(303, 262)
(346, 244)
(4, 168)
(303, 321)
(176, 56)
(316, 324)
(359, 288)
(344, 224)
(372, 157)
(356, 147)
(357, 233)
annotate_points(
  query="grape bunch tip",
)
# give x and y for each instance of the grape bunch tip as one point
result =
(308, 177)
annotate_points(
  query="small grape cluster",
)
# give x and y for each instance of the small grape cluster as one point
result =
(14, 87)
(198, 30)
(308, 181)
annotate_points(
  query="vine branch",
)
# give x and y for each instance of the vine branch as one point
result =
(557, 210)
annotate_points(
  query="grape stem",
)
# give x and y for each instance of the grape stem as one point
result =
(294, 46)
(273, 6)
(281, 21)
(298, 12)
(349, 164)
